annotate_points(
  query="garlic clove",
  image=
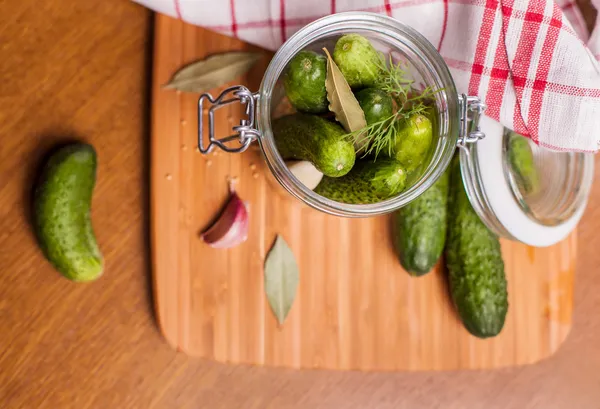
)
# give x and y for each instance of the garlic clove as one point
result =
(305, 172)
(231, 228)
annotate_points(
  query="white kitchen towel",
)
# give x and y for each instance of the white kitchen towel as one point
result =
(529, 60)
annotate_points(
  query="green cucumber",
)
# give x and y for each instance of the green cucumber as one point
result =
(376, 104)
(62, 213)
(420, 228)
(367, 182)
(315, 139)
(475, 266)
(304, 82)
(413, 141)
(358, 60)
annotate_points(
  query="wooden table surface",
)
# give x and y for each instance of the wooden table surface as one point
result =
(81, 71)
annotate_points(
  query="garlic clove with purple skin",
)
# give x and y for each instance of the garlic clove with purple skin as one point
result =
(305, 172)
(231, 228)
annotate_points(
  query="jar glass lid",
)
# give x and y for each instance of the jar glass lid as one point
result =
(525, 191)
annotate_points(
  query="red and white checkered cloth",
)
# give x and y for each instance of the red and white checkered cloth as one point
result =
(531, 61)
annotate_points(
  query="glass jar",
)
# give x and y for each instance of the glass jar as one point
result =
(457, 115)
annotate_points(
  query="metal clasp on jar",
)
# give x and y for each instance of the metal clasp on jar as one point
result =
(246, 133)
(471, 109)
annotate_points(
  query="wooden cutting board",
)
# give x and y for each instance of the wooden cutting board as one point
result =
(356, 308)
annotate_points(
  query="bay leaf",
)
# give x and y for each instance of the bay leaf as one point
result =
(281, 279)
(213, 71)
(342, 101)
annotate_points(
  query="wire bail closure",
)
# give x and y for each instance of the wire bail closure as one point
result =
(246, 133)
(471, 109)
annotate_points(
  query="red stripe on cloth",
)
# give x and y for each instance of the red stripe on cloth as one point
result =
(480, 3)
(569, 90)
(483, 43)
(233, 20)
(444, 25)
(561, 149)
(246, 25)
(520, 14)
(332, 6)
(501, 70)
(406, 3)
(522, 61)
(521, 129)
(301, 21)
(177, 9)
(282, 22)
(543, 68)
(388, 7)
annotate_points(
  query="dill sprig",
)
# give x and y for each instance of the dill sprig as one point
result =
(396, 81)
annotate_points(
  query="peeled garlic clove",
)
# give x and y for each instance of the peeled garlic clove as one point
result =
(231, 228)
(305, 172)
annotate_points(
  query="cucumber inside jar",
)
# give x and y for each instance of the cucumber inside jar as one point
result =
(374, 102)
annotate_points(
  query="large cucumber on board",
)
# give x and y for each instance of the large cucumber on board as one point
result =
(420, 228)
(62, 213)
(475, 267)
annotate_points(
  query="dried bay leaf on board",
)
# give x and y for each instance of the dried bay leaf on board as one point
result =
(213, 71)
(281, 279)
(342, 101)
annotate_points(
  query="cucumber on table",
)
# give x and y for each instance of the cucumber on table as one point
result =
(475, 266)
(62, 213)
(315, 139)
(420, 229)
(367, 182)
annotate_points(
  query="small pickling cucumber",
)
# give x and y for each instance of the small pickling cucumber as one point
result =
(522, 163)
(376, 104)
(420, 228)
(358, 60)
(304, 82)
(367, 182)
(62, 213)
(413, 141)
(475, 267)
(315, 139)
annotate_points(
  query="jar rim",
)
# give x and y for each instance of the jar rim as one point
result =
(429, 60)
